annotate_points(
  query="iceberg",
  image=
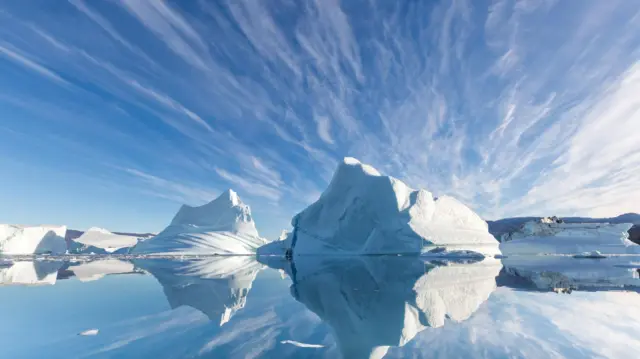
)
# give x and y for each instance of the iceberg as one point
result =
(18, 239)
(552, 237)
(222, 226)
(101, 241)
(216, 286)
(365, 212)
(374, 303)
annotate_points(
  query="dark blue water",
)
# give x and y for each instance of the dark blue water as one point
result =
(372, 307)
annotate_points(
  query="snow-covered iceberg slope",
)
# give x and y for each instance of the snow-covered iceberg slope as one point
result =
(101, 241)
(222, 226)
(373, 303)
(17, 239)
(365, 212)
(543, 237)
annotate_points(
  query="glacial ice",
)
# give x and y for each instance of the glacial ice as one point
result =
(101, 241)
(537, 237)
(364, 212)
(222, 226)
(18, 239)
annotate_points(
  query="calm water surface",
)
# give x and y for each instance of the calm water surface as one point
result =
(374, 307)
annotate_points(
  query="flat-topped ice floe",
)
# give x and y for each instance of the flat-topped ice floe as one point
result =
(101, 241)
(222, 226)
(18, 239)
(551, 237)
(365, 212)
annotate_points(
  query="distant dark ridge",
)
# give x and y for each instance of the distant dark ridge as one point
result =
(506, 225)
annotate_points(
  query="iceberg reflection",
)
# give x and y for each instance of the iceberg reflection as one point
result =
(374, 303)
(29, 272)
(216, 286)
(565, 274)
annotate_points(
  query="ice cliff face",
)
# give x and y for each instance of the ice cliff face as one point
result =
(223, 226)
(16, 239)
(373, 303)
(364, 212)
(544, 237)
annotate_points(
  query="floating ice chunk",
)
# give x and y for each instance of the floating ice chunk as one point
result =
(592, 254)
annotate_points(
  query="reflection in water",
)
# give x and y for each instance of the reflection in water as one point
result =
(394, 307)
(94, 270)
(565, 274)
(373, 303)
(216, 286)
(30, 273)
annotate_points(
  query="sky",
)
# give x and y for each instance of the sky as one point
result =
(113, 113)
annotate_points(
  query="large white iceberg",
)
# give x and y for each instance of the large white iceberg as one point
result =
(551, 237)
(364, 212)
(101, 241)
(18, 239)
(222, 226)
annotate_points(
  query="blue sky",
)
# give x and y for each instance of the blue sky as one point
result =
(112, 113)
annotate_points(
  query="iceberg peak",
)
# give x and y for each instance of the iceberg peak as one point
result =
(225, 213)
(222, 226)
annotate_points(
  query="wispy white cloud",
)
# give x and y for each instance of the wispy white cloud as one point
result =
(32, 65)
(172, 190)
(504, 107)
(255, 188)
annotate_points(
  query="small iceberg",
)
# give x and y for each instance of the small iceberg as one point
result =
(363, 212)
(592, 254)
